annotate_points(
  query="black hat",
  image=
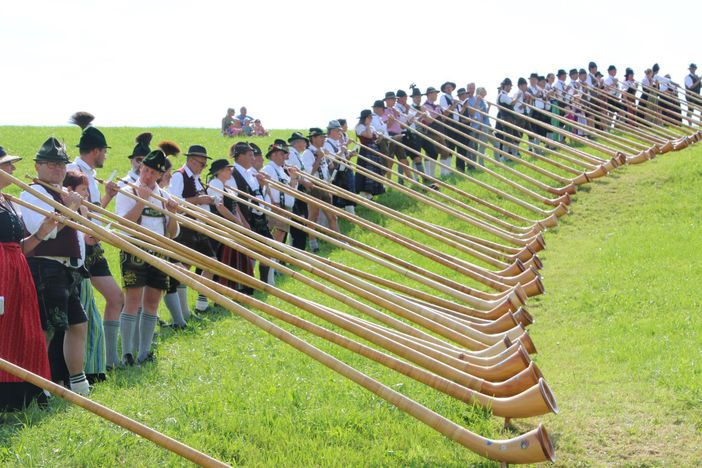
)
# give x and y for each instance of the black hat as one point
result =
(561, 72)
(656, 68)
(297, 136)
(365, 113)
(415, 92)
(611, 67)
(430, 90)
(506, 82)
(314, 131)
(598, 74)
(521, 81)
(390, 95)
(257, 151)
(241, 148)
(197, 150)
(628, 71)
(6, 158)
(280, 142)
(591, 65)
(582, 71)
(534, 75)
(218, 165)
(276, 147)
(52, 150)
(155, 160)
(401, 93)
(91, 137)
(692, 65)
(379, 103)
(573, 71)
(448, 83)
(142, 145)
(542, 78)
(461, 91)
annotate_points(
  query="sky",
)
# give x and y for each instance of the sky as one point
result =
(173, 63)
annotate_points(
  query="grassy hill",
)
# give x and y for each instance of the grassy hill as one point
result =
(617, 332)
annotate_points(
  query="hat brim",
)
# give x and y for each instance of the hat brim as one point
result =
(8, 158)
(201, 155)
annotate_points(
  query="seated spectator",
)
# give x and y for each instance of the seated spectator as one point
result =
(258, 129)
(245, 122)
(228, 126)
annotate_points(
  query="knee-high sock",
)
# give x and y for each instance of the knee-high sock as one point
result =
(146, 333)
(183, 296)
(111, 328)
(172, 302)
(127, 323)
(135, 337)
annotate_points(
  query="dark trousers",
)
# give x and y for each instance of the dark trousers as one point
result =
(299, 237)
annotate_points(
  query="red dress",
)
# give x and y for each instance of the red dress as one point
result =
(22, 340)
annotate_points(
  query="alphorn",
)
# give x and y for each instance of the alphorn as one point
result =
(531, 447)
(475, 272)
(569, 188)
(114, 417)
(408, 269)
(562, 200)
(225, 232)
(550, 221)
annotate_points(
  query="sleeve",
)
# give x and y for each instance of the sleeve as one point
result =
(688, 81)
(123, 204)
(176, 186)
(443, 102)
(308, 160)
(216, 183)
(32, 219)
(274, 193)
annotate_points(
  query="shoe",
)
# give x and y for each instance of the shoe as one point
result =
(161, 323)
(128, 360)
(149, 358)
(201, 305)
(178, 327)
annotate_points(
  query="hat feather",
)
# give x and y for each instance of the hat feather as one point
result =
(82, 119)
(169, 147)
(144, 138)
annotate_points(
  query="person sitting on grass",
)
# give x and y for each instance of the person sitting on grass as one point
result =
(228, 128)
(258, 129)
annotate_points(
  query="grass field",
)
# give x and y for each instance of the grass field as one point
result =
(618, 337)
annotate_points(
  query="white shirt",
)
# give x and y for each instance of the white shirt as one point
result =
(294, 159)
(177, 185)
(151, 219)
(378, 124)
(663, 82)
(612, 85)
(32, 219)
(218, 184)
(538, 94)
(518, 99)
(278, 174)
(308, 159)
(445, 102)
(93, 188)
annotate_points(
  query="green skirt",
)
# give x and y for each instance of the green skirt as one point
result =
(95, 340)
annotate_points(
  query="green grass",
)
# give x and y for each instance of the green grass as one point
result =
(617, 333)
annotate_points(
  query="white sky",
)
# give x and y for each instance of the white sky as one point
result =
(300, 64)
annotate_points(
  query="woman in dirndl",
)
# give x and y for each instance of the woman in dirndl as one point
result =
(22, 340)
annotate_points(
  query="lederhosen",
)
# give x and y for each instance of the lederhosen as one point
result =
(538, 114)
(189, 237)
(135, 272)
(363, 183)
(343, 178)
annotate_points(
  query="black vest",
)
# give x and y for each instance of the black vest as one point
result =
(245, 187)
(696, 88)
(65, 244)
